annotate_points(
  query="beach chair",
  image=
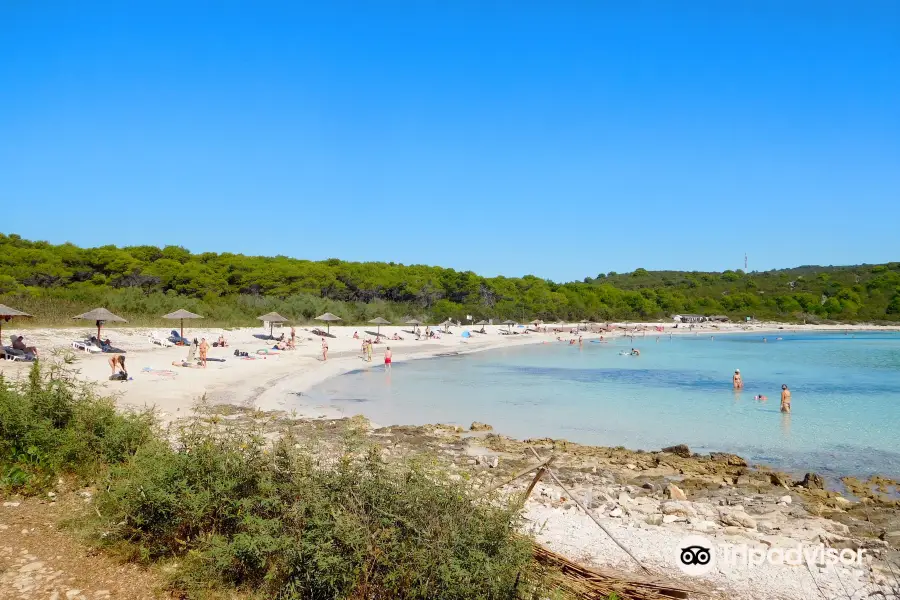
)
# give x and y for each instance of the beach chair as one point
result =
(155, 340)
(176, 338)
(13, 354)
(86, 346)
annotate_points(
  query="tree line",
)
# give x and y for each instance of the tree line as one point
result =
(143, 282)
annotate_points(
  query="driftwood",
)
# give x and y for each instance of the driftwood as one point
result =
(598, 584)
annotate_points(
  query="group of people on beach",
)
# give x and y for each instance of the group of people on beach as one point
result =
(737, 382)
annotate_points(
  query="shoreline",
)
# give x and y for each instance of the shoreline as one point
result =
(264, 383)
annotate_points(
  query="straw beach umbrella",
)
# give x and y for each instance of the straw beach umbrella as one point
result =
(447, 325)
(328, 318)
(272, 318)
(7, 313)
(101, 315)
(182, 314)
(508, 324)
(379, 321)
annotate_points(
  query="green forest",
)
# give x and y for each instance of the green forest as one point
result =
(55, 282)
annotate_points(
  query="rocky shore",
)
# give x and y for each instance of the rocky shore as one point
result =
(651, 500)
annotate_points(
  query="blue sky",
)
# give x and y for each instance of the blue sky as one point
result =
(560, 139)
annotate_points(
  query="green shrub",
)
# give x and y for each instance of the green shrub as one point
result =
(51, 424)
(270, 518)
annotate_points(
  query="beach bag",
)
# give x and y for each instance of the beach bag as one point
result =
(120, 376)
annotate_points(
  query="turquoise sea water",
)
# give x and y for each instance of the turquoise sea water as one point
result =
(846, 396)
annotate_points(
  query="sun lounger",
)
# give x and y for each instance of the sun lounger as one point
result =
(176, 338)
(158, 341)
(86, 346)
(13, 354)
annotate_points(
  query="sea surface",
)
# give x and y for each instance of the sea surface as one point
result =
(846, 396)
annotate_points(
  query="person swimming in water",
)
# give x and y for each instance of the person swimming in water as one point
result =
(635, 352)
(737, 381)
(760, 397)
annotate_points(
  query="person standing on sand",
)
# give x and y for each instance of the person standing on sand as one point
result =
(737, 380)
(203, 348)
(293, 335)
(324, 349)
(369, 350)
(785, 399)
(387, 358)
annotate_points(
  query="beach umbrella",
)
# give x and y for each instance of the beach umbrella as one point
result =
(181, 315)
(379, 321)
(414, 322)
(447, 325)
(328, 318)
(508, 324)
(272, 318)
(101, 315)
(7, 313)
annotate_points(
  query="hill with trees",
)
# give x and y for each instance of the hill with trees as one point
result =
(143, 282)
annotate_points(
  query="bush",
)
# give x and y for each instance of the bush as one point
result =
(51, 425)
(270, 518)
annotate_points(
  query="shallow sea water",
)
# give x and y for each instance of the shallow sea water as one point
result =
(846, 396)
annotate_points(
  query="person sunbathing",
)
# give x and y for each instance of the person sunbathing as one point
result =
(397, 337)
(19, 344)
(355, 335)
(221, 341)
(183, 363)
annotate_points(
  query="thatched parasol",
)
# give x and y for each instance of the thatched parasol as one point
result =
(379, 321)
(7, 313)
(482, 323)
(272, 318)
(182, 314)
(508, 324)
(328, 318)
(101, 315)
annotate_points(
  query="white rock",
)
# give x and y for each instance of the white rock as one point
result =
(494, 461)
(655, 519)
(785, 499)
(675, 493)
(736, 518)
(674, 507)
(72, 593)
(624, 498)
(11, 504)
(616, 513)
(842, 502)
(32, 566)
(667, 519)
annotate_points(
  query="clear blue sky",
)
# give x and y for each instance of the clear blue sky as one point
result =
(560, 139)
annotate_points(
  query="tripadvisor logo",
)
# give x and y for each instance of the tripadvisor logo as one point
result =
(696, 555)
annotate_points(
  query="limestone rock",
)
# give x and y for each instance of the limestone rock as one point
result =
(493, 462)
(732, 460)
(479, 426)
(668, 519)
(654, 519)
(785, 499)
(675, 507)
(616, 513)
(674, 492)
(679, 450)
(812, 481)
(736, 518)
(842, 502)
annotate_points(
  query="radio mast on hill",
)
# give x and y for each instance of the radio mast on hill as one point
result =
(745, 262)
